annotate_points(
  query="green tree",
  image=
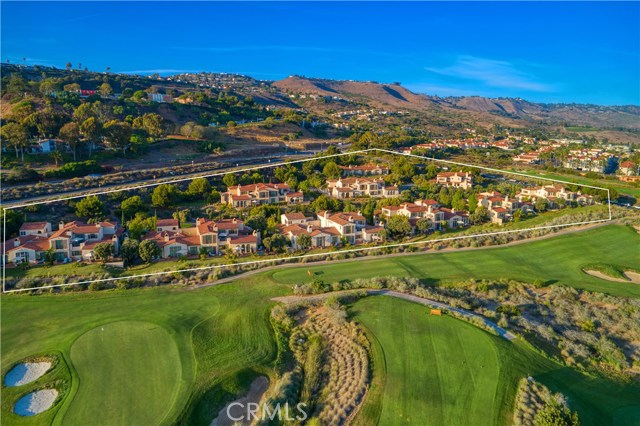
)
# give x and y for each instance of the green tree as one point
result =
(154, 125)
(542, 204)
(105, 90)
(132, 205)
(275, 243)
(50, 257)
(140, 225)
(129, 251)
(118, 135)
(91, 130)
(517, 215)
(199, 187)
(103, 251)
(164, 195)
(70, 133)
(473, 203)
(331, 170)
(480, 215)
(149, 250)
(90, 208)
(230, 179)
(398, 225)
(423, 224)
(16, 136)
(304, 241)
(12, 220)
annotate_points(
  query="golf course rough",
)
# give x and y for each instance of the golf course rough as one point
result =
(136, 386)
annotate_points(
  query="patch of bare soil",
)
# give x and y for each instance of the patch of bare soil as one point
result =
(239, 407)
(634, 277)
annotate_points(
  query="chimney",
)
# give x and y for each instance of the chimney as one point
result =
(453, 211)
(16, 242)
(61, 224)
(309, 228)
(166, 236)
(234, 220)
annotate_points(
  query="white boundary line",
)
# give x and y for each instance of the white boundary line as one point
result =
(304, 256)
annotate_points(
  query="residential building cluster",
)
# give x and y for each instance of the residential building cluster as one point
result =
(329, 229)
(213, 235)
(241, 196)
(588, 160)
(462, 144)
(356, 187)
(438, 217)
(71, 241)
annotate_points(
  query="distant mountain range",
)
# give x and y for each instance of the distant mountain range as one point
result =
(518, 111)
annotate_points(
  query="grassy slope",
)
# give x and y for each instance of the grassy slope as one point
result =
(50, 323)
(558, 260)
(137, 385)
(451, 373)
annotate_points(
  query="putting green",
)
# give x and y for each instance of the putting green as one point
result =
(129, 369)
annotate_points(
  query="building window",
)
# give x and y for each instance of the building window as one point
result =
(59, 245)
(193, 250)
(174, 251)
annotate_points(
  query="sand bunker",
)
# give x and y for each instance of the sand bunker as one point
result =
(634, 277)
(258, 387)
(35, 402)
(26, 372)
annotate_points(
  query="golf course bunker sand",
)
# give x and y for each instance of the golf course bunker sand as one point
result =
(634, 277)
(35, 402)
(258, 387)
(26, 372)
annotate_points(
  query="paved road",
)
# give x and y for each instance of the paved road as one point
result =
(242, 163)
(409, 297)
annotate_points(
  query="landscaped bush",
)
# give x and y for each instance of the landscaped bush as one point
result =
(77, 169)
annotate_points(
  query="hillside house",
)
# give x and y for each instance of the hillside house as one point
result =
(455, 179)
(72, 241)
(241, 196)
(360, 187)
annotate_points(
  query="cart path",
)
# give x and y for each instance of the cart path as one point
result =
(409, 297)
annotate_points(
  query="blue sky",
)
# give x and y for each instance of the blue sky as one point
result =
(549, 52)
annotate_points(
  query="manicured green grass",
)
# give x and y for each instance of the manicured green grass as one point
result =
(219, 332)
(223, 337)
(135, 368)
(442, 371)
(556, 260)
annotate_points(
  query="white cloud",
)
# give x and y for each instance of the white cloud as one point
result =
(492, 73)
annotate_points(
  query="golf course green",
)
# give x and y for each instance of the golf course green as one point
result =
(138, 385)
(176, 355)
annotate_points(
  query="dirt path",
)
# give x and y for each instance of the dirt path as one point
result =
(569, 230)
(409, 297)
